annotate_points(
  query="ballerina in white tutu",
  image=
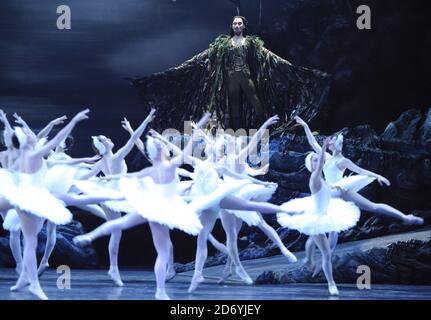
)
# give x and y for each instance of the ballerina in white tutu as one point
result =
(320, 214)
(235, 159)
(348, 187)
(32, 200)
(153, 194)
(61, 174)
(111, 164)
(7, 160)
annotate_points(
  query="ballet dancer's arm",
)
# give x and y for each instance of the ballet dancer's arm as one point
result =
(61, 135)
(45, 131)
(252, 145)
(348, 164)
(21, 122)
(206, 137)
(177, 151)
(75, 160)
(257, 172)
(310, 136)
(5, 121)
(184, 173)
(316, 175)
(185, 156)
(124, 151)
(138, 143)
(228, 172)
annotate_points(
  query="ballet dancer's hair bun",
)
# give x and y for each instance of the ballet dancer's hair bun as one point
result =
(98, 145)
(308, 161)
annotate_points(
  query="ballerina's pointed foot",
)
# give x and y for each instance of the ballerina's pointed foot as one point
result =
(44, 265)
(161, 295)
(227, 273)
(37, 291)
(289, 255)
(114, 273)
(317, 270)
(82, 240)
(21, 283)
(196, 280)
(18, 268)
(170, 273)
(412, 219)
(333, 291)
(243, 275)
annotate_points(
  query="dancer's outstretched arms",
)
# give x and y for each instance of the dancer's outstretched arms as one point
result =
(75, 160)
(316, 175)
(252, 145)
(45, 131)
(310, 137)
(54, 142)
(186, 155)
(124, 151)
(348, 164)
(21, 122)
(138, 143)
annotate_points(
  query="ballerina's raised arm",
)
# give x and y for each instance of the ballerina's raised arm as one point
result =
(310, 136)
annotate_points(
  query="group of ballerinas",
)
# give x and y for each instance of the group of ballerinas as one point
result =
(39, 181)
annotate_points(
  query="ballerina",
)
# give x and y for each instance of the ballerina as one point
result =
(320, 214)
(348, 187)
(153, 194)
(32, 200)
(111, 164)
(235, 159)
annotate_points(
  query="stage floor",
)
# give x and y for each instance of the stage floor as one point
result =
(141, 284)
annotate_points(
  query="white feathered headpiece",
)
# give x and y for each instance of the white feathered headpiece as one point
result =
(98, 145)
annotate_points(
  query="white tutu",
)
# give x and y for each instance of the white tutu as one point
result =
(11, 221)
(60, 178)
(105, 189)
(319, 214)
(28, 193)
(160, 203)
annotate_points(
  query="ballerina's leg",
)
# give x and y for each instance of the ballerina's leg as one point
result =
(309, 252)
(51, 239)
(170, 272)
(230, 224)
(162, 243)
(236, 203)
(217, 244)
(113, 248)
(30, 226)
(379, 208)
(15, 247)
(273, 235)
(324, 247)
(208, 219)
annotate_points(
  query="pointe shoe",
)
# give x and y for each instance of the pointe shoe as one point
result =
(196, 280)
(333, 291)
(115, 276)
(18, 268)
(21, 283)
(317, 270)
(227, 273)
(170, 274)
(37, 291)
(161, 295)
(82, 240)
(243, 275)
(412, 219)
(42, 268)
(289, 255)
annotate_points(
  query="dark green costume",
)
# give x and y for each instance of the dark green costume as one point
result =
(205, 81)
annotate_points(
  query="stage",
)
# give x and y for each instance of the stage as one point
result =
(140, 284)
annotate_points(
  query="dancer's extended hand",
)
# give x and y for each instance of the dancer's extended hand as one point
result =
(83, 115)
(300, 121)
(126, 125)
(383, 181)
